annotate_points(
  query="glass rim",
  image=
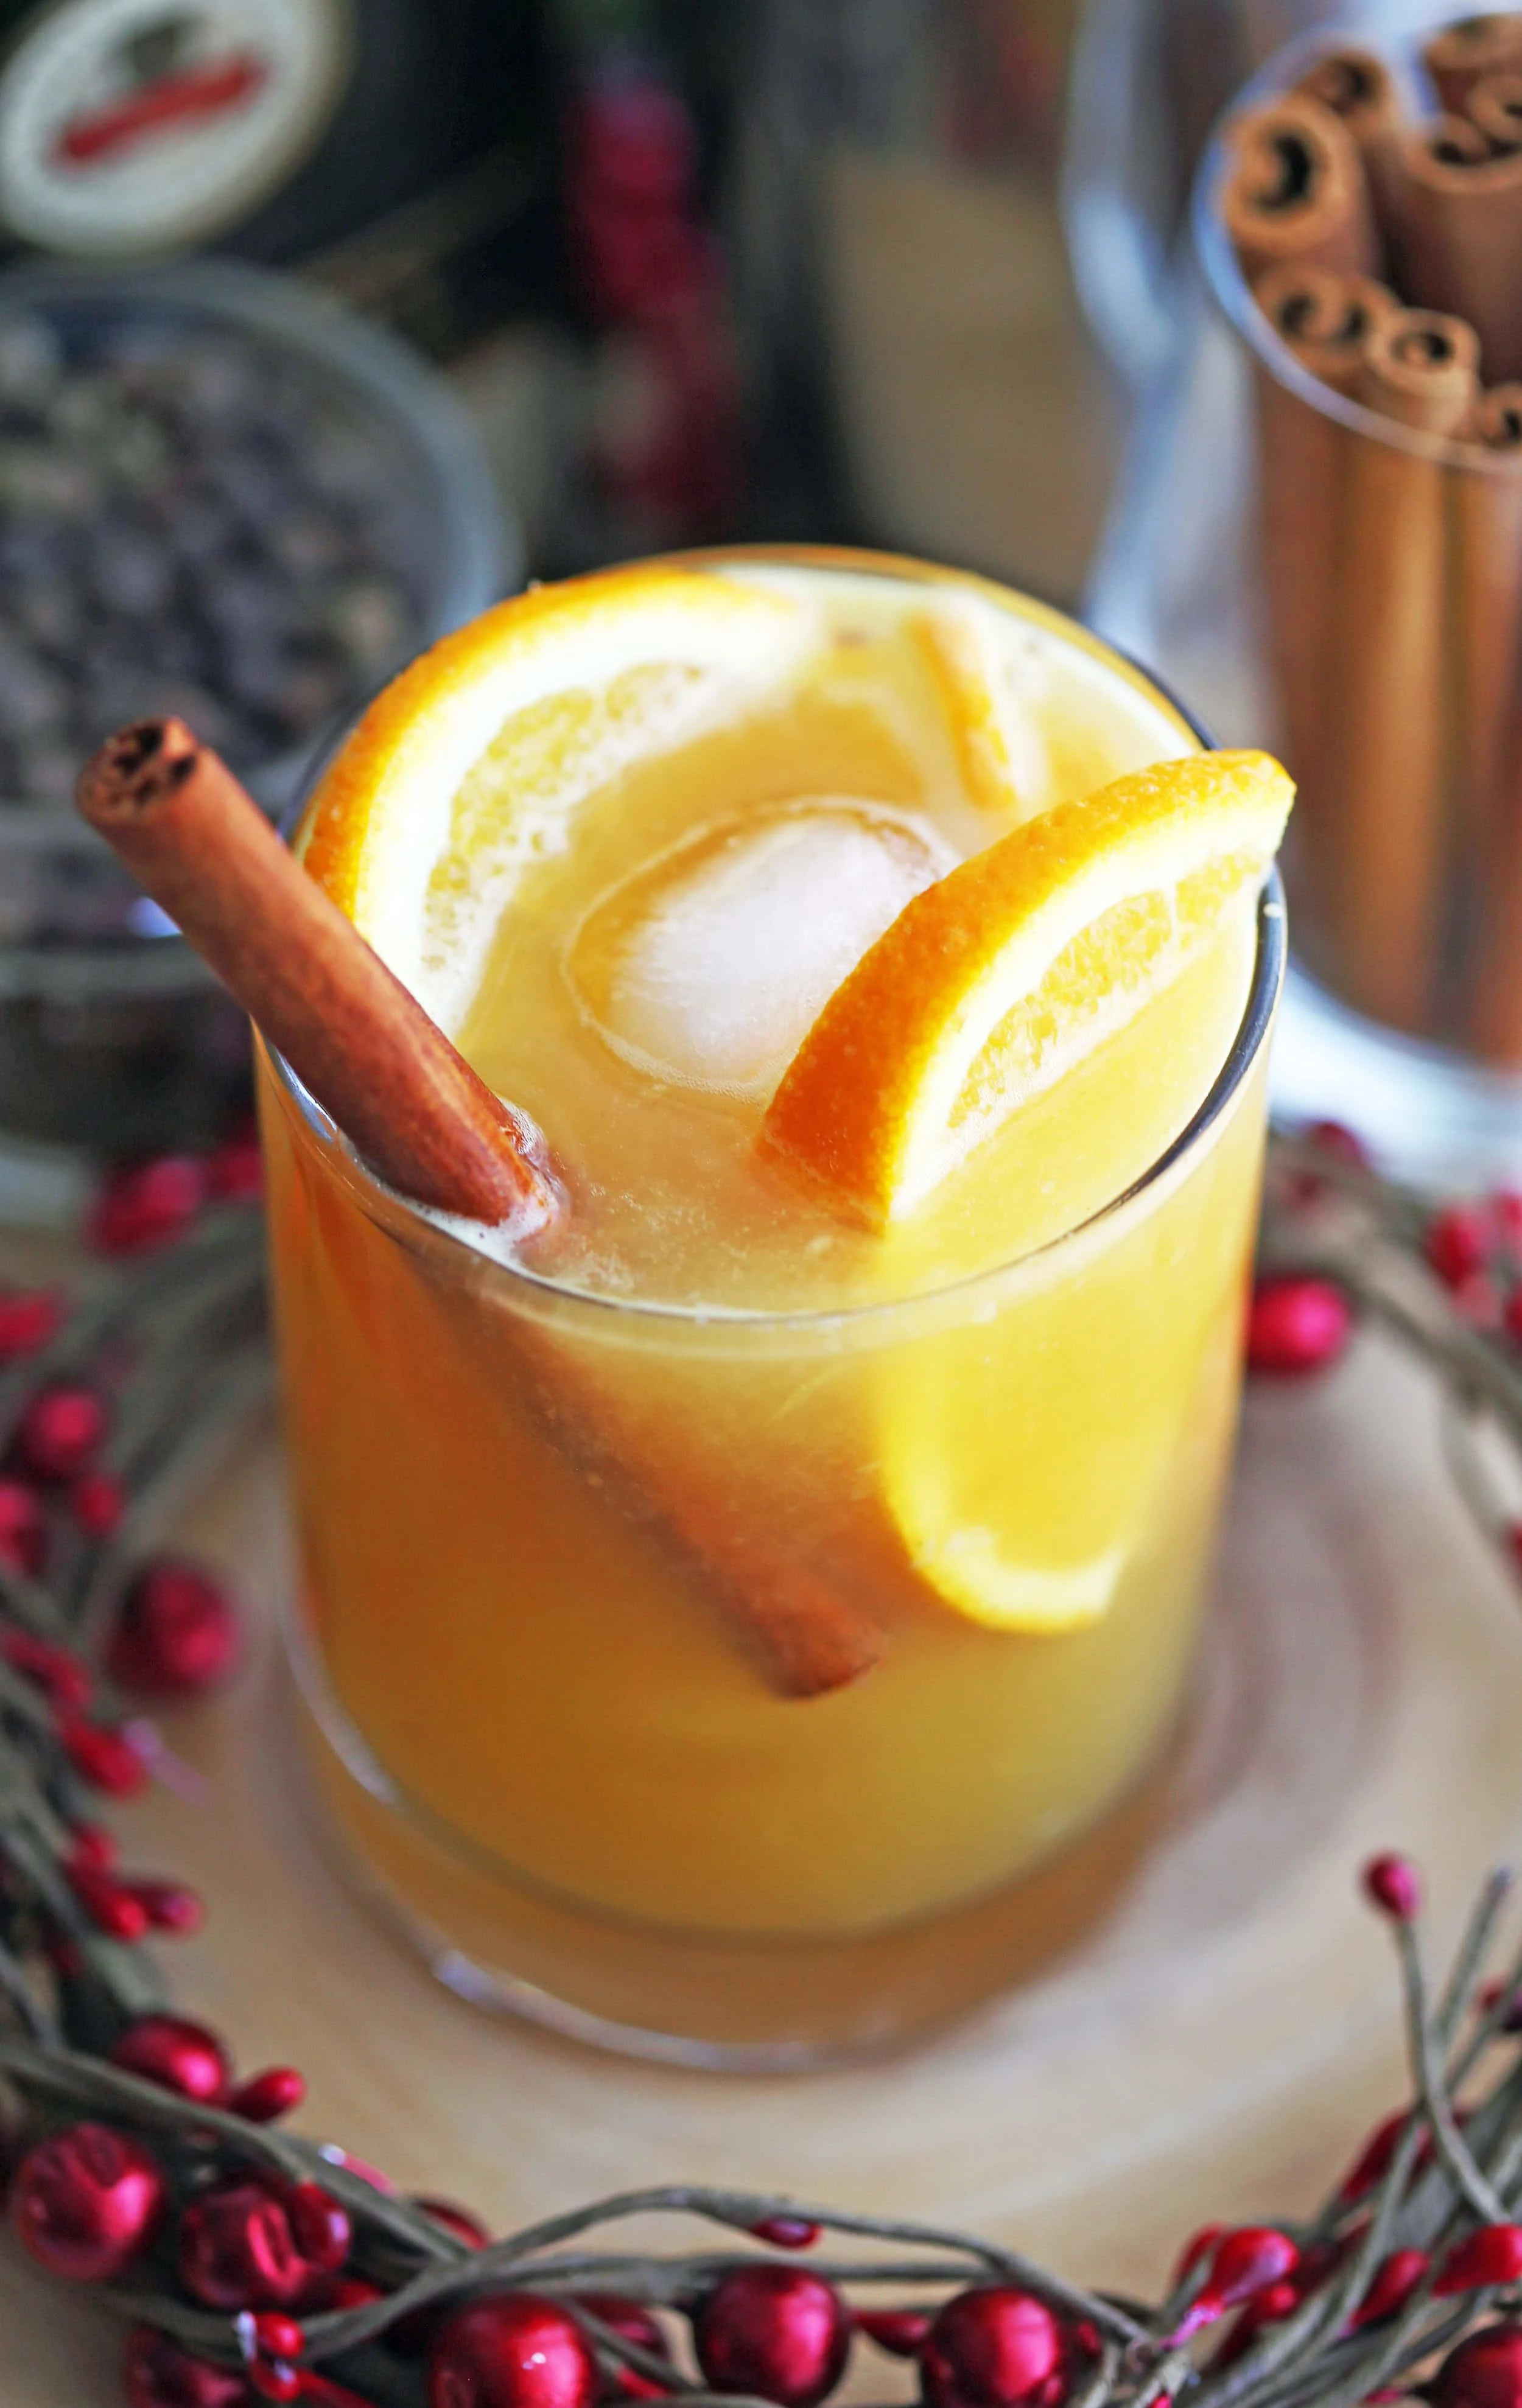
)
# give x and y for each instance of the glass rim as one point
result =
(387, 1205)
(1233, 295)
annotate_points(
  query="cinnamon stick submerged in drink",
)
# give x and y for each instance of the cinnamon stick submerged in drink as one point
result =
(1385, 852)
(1296, 191)
(366, 1049)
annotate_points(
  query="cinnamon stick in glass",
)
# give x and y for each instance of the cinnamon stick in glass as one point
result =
(1495, 106)
(358, 1040)
(1295, 190)
(1385, 852)
(1358, 88)
(363, 1045)
(1488, 618)
(1325, 319)
(1461, 237)
(1459, 54)
(1490, 662)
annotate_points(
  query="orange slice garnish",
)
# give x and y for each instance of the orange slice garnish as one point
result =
(475, 761)
(997, 980)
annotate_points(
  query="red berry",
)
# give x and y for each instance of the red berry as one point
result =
(364, 2171)
(774, 2330)
(23, 1533)
(110, 1906)
(458, 2220)
(102, 1757)
(1457, 1242)
(177, 1632)
(1199, 2247)
(236, 2250)
(786, 2231)
(91, 1844)
(265, 2097)
(278, 2336)
(99, 1502)
(995, 2348)
(353, 2291)
(1512, 1314)
(148, 1204)
(29, 1318)
(170, 1907)
(517, 2352)
(235, 1170)
(1336, 1139)
(635, 2324)
(1491, 1995)
(1338, 1142)
(321, 2225)
(901, 2331)
(1268, 2307)
(62, 1679)
(1373, 2161)
(1297, 1325)
(1243, 2264)
(272, 2378)
(178, 2054)
(1393, 1884)
(1394, 2282)
(58, 1432)
(1484, 2371)
(157, 2374)
(1492, 2255)
(1479, 1301)
(85, 2202)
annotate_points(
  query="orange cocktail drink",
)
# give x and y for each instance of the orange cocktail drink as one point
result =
(716, 1602)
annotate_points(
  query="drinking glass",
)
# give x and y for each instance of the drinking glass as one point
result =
(517, 1500)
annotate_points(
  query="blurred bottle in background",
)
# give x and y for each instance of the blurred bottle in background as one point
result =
(918, 368)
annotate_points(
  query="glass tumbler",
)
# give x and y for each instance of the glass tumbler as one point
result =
(529, 1726)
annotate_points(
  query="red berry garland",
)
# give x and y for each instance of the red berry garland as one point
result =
(285, 2272)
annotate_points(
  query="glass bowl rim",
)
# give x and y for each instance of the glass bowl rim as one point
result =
(1232, 295)
(479, 545)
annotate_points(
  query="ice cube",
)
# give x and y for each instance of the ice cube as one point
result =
(710, 965)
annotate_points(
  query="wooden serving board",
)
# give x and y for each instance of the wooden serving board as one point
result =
(1213, 2051)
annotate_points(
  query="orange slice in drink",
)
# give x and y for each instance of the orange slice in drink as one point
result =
(990, 989)
(474, 762)
(999, 980)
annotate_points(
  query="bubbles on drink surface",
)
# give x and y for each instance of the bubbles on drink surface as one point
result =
(709, 966)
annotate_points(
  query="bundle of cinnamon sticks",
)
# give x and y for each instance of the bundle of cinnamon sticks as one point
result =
(1384, 249)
